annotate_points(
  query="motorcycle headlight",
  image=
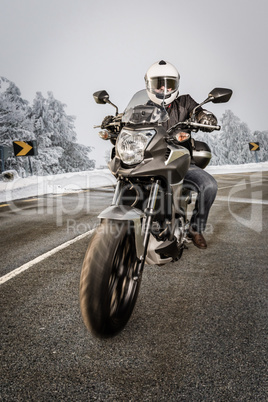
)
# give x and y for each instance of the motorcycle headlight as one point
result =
(132, 144)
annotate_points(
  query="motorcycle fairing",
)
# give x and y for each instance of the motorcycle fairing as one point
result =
(171, 165)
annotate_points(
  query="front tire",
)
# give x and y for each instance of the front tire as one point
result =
(108, 292)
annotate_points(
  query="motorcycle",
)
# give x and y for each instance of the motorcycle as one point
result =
(147, 220)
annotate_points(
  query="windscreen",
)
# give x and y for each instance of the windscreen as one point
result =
(141, 110)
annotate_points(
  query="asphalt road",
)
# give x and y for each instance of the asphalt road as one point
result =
(198, 331)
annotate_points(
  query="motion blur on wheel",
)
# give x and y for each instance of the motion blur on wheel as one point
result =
(147, 221)
(108, 287)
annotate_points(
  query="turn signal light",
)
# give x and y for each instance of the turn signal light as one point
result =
(181, 136)
(105, 135)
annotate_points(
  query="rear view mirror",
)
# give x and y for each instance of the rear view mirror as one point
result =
(101, 97)
(220, 95)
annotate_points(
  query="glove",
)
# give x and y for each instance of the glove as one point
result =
(106, 121)
(205, 117)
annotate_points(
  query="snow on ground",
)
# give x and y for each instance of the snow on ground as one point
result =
(54, 184)
(71, 182)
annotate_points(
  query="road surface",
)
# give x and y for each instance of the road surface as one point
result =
(199, 328)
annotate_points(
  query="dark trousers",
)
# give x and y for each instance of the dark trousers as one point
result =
(205, 185)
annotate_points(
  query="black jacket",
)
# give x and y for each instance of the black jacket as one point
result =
(179, 110)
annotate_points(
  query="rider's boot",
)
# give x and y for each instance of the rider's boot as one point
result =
(197, 238)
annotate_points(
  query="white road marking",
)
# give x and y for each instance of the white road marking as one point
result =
(242, 200)
(42, 257)
(241, 184)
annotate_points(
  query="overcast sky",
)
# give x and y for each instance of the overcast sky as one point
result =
(76, 47)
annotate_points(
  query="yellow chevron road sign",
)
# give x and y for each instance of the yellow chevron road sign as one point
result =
(254, 146)
(24, 148)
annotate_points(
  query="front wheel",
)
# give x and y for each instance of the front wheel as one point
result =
(108, 292)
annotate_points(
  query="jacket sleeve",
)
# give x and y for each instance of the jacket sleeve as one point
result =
(191, 104)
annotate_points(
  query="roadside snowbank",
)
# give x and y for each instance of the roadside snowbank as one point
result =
(69, 182)
(55, 184)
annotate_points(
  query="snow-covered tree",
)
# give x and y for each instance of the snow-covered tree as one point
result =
(75, 157)
(43, 125)
(47, 123)
(262, 138)
(231, 144)
(55, 132)
(15, 120)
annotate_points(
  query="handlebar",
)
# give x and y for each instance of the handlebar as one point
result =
(188, 124)
(110, 124)
(205, 126)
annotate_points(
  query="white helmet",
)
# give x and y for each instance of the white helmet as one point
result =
(162, 83)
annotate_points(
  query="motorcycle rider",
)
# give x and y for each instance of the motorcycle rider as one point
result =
(162, 85)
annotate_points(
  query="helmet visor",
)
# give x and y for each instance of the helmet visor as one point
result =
(162, 86)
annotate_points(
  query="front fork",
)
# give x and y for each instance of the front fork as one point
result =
(146, 226)
(143, 238)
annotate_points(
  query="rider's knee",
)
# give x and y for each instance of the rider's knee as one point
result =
(209, 185)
